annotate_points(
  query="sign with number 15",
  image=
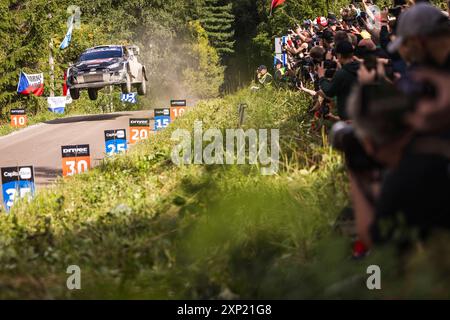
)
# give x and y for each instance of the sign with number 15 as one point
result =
(75, 159)
(162, 118)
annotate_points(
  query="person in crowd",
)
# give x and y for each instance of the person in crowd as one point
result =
(344, 79)
(281, 74)
(263, 78)
(423, 41)
(386, 74)
(409, 203)
(423, 37)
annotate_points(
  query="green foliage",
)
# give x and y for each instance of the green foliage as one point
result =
(205, 76)
(27, 29)
(217, 19)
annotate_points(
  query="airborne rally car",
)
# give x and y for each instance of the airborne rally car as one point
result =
(103, 66)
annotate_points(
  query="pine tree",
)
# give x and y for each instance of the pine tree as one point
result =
(217, 19)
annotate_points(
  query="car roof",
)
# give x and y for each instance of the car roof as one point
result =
(106, 47)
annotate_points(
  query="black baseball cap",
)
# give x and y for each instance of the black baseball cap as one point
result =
(332, 19)
(344, 47)
(262, 67)
(328, 36)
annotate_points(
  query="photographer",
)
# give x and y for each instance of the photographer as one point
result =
(263, 78)
(410, 198)
(281, 75)
(423, 40)
(423, 37)
(343, 80)
(433, 113)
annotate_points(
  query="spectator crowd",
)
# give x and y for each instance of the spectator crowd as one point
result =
(380, 77)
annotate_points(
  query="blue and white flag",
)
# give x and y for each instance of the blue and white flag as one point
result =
(129, 97)
(57, 104)
(68, 36)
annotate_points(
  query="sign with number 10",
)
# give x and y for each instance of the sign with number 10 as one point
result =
(17, 183)
(115, 141)
(75, 159)
(177, 109)
(18, 118)
(139, 130)
(162, 118)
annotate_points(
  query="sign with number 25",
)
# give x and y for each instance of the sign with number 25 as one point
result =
(115, 141)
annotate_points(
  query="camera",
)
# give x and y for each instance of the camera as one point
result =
(330, 68)
(330, 64)
(343, 138)
(395, 11)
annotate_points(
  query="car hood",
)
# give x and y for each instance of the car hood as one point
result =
(96, 64)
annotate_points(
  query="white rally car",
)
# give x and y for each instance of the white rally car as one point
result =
(108, 65)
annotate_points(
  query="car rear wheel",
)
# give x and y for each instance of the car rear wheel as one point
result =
(75, 94)
(126, 87)
(93, 94)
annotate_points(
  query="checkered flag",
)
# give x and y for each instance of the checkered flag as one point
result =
(129, 97)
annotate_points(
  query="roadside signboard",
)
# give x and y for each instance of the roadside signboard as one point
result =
(162, 118)
(17, 183)
(280, 54)
(115, 141)
(177, 109)
(18, 118)
(139, 130)
(76, 159)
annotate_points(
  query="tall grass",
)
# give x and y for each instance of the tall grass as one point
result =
(140, 227)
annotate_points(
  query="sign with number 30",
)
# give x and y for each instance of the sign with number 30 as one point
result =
(75, 159)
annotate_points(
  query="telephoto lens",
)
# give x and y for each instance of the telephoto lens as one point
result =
(344, 139)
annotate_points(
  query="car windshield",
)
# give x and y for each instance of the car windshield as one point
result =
(101, 54)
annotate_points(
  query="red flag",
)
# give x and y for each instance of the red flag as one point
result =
(275, 4)
(65, 84)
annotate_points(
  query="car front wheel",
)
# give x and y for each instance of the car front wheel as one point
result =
(126, 87)
(75, 94)
(93, 94)
(142, 88)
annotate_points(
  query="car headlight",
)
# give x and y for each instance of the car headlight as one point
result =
(117, 65)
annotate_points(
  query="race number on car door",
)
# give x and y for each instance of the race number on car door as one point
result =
(139, 130)
(75, 159)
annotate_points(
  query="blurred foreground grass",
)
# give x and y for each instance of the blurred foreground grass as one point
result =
(140, 227)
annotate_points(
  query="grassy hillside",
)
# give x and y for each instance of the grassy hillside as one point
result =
(140, 227)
